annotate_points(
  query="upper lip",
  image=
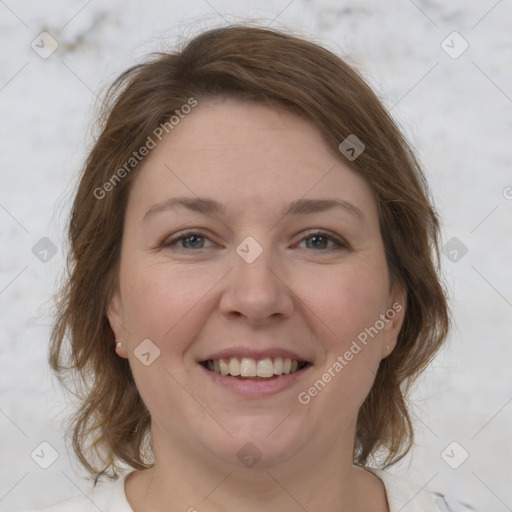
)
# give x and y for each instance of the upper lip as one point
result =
(241, 352)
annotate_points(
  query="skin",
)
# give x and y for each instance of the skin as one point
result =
(192, 299)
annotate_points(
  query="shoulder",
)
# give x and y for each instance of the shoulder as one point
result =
(404, 495)
(107, 498)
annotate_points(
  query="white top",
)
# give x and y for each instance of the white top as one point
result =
(403, 496)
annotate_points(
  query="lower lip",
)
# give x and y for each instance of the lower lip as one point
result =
(256, 388)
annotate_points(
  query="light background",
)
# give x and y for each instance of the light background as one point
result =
(456, 111)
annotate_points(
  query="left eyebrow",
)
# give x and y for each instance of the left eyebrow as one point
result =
(307, 206)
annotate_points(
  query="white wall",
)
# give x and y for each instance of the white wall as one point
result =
(457, 113)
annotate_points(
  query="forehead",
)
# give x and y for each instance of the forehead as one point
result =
(244, 154)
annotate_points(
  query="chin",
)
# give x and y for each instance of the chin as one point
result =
(258, 441)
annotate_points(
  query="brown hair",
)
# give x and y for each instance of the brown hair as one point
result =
(112, 424)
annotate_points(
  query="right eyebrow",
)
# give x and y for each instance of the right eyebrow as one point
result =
(195, 204)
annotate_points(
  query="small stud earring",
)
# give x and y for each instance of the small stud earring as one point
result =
(118, 344)
(387, 347)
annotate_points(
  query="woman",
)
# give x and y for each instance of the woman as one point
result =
(252, 286)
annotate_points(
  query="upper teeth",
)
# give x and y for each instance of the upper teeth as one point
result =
(247, 367)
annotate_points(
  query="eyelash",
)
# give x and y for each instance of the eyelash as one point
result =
(340, 244)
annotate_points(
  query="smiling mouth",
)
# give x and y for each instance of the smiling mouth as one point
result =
(246, 368)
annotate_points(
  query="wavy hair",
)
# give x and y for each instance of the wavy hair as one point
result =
(111, 426)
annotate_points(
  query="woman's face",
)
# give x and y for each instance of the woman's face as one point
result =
(251, 247)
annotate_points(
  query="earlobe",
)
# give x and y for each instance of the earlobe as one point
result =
(395, 314)
(115, 320)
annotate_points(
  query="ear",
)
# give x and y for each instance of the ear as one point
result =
(393, 318)
(115, 318)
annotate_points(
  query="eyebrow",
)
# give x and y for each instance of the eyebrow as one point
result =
(298, 207)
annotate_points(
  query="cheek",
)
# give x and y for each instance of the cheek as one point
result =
(347, 304)
(348, 367)
(159, 299)
(349, 301)
(162, 303)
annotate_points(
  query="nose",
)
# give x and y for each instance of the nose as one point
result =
(257, 291)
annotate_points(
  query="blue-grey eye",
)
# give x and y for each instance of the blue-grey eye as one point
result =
(318, 241)
(196, 241)
(321, 241)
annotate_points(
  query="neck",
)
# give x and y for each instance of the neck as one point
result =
(310, 480)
